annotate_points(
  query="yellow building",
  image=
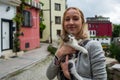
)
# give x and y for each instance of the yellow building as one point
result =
(52, 14)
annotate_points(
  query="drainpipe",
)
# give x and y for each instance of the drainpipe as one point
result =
(50, 23)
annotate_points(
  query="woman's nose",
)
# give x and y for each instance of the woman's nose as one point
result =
(71, 21)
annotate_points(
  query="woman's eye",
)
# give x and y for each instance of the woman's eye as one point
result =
(67, 19)
(76, 18)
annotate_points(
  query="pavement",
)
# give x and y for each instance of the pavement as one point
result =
(28, 59)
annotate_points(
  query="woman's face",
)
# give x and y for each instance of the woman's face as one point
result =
(72, 22)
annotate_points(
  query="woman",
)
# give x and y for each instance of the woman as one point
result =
(91, 67)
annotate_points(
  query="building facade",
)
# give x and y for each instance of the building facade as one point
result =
(7, 26)
(52, 14)
(100, 28)
(29, 30)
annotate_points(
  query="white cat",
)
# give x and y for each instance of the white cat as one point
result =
(71, 41)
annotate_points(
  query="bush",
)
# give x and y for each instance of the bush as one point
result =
(114, 51)
(52, 49)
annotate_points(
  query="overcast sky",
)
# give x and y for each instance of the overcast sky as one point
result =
(105, 8)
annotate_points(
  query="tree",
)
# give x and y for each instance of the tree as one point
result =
(116, 30)
(42, 25)
(114, 51)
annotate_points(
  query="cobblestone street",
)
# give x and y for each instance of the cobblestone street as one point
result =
(36, 72)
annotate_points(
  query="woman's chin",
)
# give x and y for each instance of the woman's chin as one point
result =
(71, 32)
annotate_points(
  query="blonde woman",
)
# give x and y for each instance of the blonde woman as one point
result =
(90, 67)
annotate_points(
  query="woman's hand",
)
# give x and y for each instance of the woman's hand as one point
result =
(64, 66)
(64, 50)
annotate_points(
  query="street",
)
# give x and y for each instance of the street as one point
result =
(36, 72)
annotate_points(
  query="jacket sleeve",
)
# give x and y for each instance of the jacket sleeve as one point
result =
(98, 65)
(52, 70)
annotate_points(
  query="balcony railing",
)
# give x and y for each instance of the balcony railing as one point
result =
(33, 3)
(11, 2)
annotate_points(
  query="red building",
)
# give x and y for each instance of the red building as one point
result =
(29, 38)
(100, 29)
(99, 26)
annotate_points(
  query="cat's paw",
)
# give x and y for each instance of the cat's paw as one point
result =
(71, 65)
(85, 51)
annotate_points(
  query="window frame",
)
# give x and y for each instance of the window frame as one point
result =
(57, 19)
(58, 32)
(57, 7)
(27, 19)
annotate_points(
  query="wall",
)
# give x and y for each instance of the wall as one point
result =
(6, 15)
(31, 34)
(102, 29)
(46, 34)
(56, 27)
(46, 16)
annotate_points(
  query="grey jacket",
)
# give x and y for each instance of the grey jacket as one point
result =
(87, 65)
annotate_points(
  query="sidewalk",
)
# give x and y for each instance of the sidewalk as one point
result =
(27, 60)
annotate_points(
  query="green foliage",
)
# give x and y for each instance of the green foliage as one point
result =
(18, 19)
(42, 26)
(99, 37)
(114, 51)
(16, 43)
(52, 49)
(42, 3)
(116, 30)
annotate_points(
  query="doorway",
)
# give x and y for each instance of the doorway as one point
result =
(6, 34)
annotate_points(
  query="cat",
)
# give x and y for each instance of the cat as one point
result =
(70, 40)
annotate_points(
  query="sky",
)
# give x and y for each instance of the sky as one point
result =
(105, 8)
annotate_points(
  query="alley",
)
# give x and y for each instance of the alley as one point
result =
(36, 72)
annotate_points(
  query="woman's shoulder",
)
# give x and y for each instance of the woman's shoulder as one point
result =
(94, 44)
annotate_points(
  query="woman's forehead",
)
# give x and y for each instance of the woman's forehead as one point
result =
(73, 11)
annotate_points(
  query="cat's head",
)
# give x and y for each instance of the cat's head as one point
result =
(67, 38)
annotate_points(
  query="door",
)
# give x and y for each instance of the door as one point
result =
(5, 36)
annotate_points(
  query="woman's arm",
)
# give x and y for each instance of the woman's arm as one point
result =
(98, 65)
(53, 68)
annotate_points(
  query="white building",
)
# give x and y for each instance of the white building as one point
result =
(52, 12)
(7, 13)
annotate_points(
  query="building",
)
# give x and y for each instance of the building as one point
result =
(29, 38)
(7, 26)
(100, 28)
(52, 14)
(19, 25)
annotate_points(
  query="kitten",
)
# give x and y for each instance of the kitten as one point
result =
(71, 41)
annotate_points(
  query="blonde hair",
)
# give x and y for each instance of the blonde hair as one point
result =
(83, 32)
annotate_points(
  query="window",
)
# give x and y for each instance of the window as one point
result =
(89, 25)
(27, 19)
(58, 32)
(57, 7)
(57, 20)
(90, 32)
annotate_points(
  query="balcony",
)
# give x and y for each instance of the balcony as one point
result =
(33, 3)
(11, 2)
